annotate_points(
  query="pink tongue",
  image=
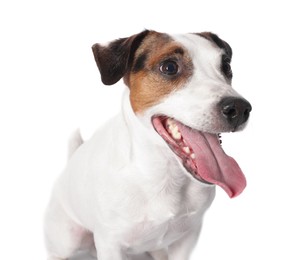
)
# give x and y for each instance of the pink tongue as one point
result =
(213, 165)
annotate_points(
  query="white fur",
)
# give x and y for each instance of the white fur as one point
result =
(203, 91)
(74, 143)
(126, 188)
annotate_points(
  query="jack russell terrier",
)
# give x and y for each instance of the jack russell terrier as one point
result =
(142, 183)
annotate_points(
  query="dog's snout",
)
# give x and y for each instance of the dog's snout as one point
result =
(235, 110)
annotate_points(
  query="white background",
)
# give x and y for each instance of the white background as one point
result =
(50, 85)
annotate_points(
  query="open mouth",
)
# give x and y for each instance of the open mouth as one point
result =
(201, 154)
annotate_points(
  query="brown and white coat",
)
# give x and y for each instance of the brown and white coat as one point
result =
(142, 183)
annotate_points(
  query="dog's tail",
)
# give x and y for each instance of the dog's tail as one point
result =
(75, 142)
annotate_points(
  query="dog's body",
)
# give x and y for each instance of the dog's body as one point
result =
(141, 184)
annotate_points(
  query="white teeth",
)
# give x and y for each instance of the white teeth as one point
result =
(170, 123)
(177, 135)
(173, 129)
(186, 149)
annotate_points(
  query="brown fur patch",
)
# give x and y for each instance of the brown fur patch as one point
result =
(148, 85)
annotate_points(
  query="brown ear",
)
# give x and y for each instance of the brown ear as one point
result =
(115, 59)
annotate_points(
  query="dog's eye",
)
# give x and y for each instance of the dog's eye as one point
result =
(169, 68)
(226, 68)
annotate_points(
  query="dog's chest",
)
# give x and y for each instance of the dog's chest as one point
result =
(150, 235)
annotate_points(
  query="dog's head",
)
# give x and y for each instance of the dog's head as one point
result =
(181, 86)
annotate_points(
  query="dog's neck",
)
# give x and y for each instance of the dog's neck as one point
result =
(146, 144)
(151, 154)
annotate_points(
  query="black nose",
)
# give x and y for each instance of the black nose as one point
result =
(235, 110)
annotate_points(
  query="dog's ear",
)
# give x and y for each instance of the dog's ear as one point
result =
(219, 42)
(115, 59)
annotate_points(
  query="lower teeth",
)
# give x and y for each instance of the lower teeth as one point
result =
(186, 149)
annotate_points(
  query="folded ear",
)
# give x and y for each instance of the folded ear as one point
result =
(115, 59)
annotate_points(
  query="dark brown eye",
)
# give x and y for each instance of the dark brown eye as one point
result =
(169, 68)
(226, 68)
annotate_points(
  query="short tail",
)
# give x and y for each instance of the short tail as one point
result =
(75, 142)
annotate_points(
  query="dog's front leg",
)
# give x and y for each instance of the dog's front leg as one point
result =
(181, 249)
(160, 255)
(105, 253)
(108, 250)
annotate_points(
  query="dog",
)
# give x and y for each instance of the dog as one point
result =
(143, 182)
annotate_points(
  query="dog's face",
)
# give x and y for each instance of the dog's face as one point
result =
(181, 87)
